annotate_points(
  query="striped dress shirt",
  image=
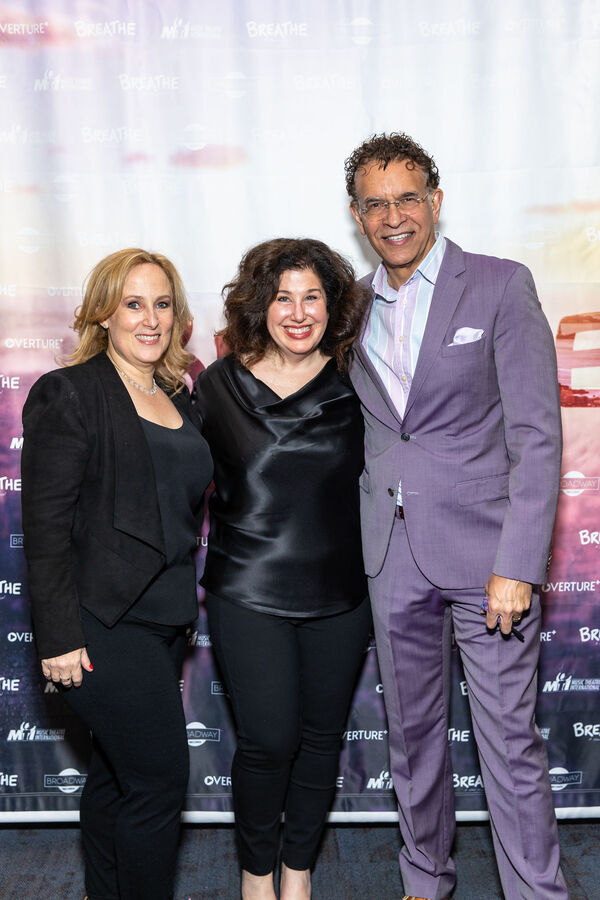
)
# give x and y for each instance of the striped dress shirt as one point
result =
(394, 331)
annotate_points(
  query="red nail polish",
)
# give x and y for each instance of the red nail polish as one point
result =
(91, 668)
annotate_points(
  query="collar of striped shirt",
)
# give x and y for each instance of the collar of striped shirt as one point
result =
(428, 269)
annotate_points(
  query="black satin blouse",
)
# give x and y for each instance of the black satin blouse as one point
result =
(285, 530)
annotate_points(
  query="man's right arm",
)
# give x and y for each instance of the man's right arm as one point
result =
(525, 361)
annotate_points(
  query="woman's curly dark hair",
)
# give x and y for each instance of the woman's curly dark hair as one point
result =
(387, 148)
(249, 295)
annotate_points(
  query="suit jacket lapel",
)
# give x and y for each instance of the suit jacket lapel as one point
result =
(364, 360)
(373, 376)
(136, 506)
(448, 290)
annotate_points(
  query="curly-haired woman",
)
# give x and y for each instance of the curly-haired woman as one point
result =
(284, 574)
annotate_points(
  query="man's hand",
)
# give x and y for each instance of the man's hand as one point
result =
(507, 601)
(67, 669)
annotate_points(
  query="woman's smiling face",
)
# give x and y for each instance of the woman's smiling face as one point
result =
(297, 318)
(140, 328)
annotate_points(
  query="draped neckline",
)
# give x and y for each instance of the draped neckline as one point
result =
(258, 396)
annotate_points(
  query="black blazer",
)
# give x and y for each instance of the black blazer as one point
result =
(91, 519)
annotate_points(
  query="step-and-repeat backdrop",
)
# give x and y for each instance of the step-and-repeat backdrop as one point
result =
(197, 129)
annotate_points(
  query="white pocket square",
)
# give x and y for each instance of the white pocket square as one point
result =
(466, 335)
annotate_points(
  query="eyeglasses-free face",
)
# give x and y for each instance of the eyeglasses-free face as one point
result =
(139, 330)
(401, 229)
(297, 318)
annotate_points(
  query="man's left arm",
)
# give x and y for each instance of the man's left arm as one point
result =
(525, 361)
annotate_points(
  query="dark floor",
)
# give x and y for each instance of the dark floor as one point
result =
(356, 863)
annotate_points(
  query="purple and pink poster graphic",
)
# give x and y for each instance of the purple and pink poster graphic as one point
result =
(197, 130)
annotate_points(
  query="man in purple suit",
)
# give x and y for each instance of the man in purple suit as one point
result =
(456, 372)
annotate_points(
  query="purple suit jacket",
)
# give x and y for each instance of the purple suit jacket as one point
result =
(479, 447)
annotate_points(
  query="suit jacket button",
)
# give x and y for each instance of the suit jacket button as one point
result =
(391, 492)
(405, 436)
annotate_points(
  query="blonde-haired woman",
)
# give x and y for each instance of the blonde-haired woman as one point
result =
(113, 478)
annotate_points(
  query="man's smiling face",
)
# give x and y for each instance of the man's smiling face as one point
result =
(401, 239)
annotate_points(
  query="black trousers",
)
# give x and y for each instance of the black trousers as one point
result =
(138, 772)
(290, 683)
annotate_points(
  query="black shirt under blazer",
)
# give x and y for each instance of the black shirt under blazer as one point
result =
(91, 519)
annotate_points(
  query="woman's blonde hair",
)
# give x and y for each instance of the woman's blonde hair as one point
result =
(102, 295)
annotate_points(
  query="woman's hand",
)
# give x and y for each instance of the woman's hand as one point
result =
(67, 669)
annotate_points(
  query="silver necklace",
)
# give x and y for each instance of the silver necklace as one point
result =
(140, 387)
